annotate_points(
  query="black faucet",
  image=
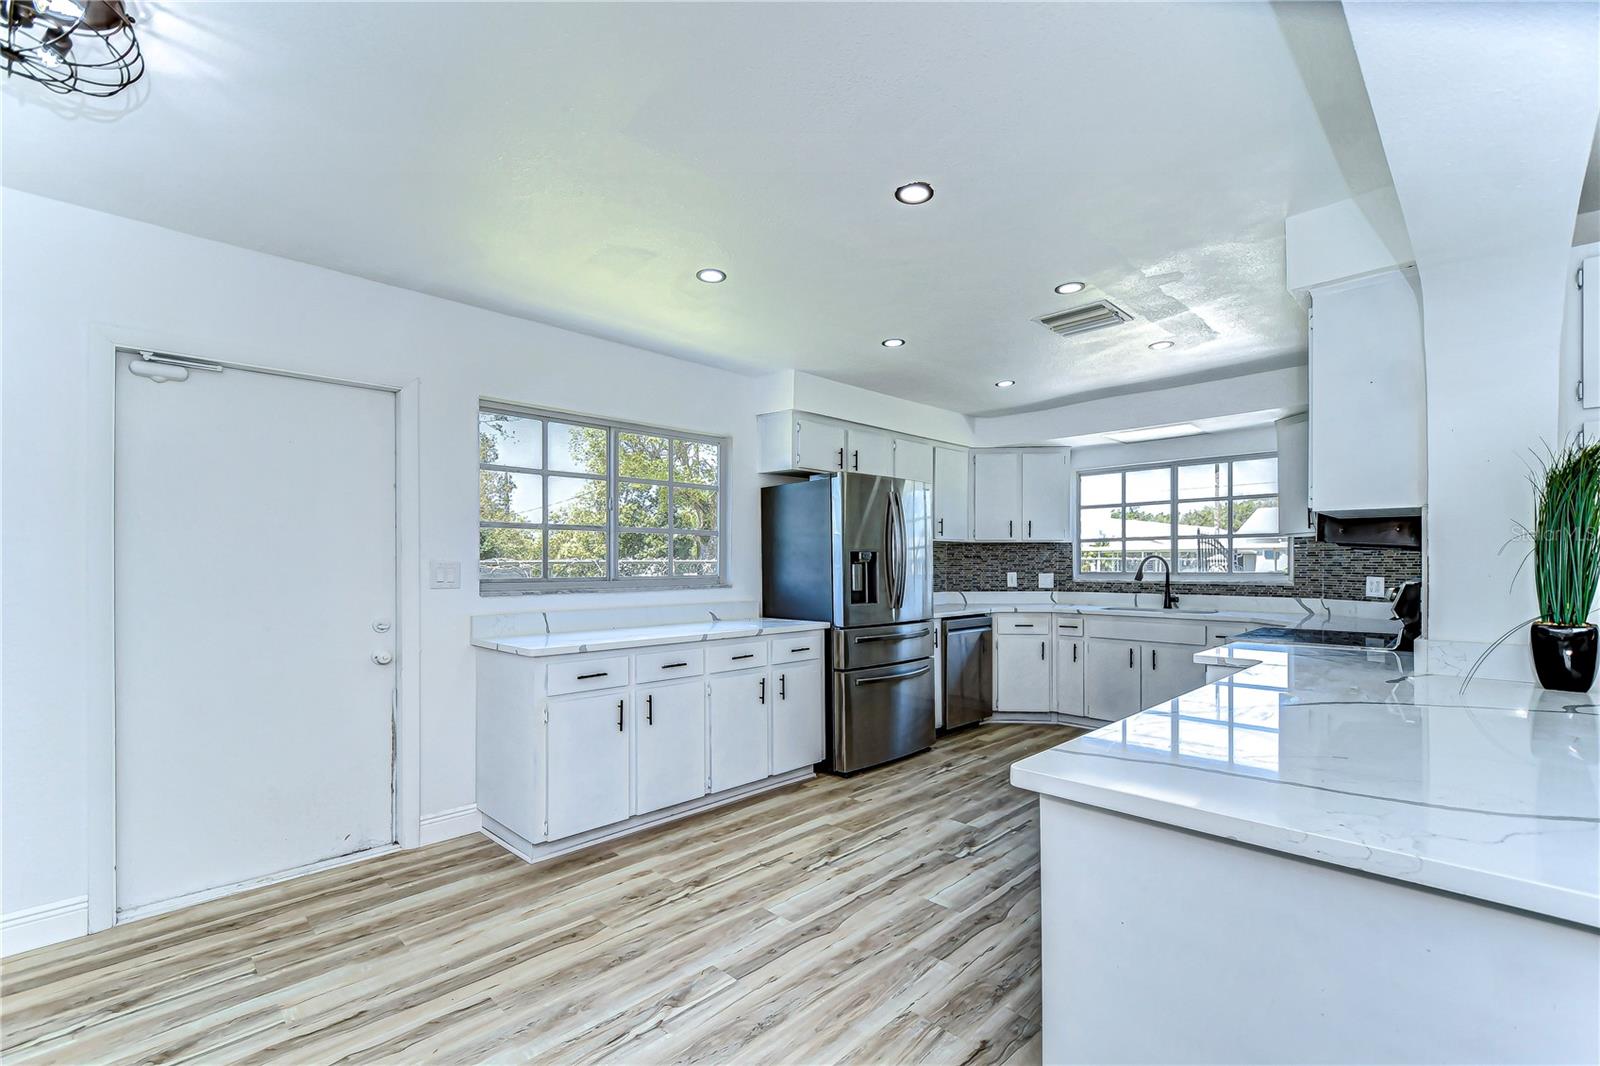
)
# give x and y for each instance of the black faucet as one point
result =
(1168, 600)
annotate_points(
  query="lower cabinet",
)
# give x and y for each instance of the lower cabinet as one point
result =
(798, 738)
(740, 738)
(1169, 670)
(670, 752)
(1069, 676)
(1111, 688)
(1022, 673)
(587, 763)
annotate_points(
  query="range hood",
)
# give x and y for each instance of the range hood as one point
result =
(1371, 531)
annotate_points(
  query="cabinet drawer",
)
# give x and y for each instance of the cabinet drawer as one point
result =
(741, 656)
(797, 648)
(1069, 627)
(587, 675)
(1024, 624)
(1164, 630)
(685, 661)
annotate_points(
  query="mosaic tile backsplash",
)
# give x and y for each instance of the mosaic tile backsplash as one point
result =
(1326, 571)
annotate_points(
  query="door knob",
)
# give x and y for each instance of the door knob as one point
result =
(383, 658)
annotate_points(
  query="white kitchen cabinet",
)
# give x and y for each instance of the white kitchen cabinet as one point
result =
(740, 728)
(913, 460)
(1046, 485)
(1167, 671)
(996, 495)
(868, 452)
(952, 494)
(670, 744)
(1111, 679)
(1294, 470)
(588, 765)
(1069, 676)
(818, 445)
(1022, 672)
(797, 715)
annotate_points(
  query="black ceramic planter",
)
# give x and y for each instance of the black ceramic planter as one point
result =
(1564, 656)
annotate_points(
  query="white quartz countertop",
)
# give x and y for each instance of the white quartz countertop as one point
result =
(1286, 617)
(1345, 757)
(611, 639)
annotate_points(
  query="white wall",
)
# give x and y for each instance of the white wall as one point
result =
(823, 396)
(1176, 449)
(68, 271)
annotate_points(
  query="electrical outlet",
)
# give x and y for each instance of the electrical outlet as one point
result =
(1047, 581)
(1375, 588)
(1011, 579)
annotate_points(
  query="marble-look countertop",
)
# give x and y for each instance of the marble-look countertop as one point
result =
(1346, 756)
(1287, 619)
(612, 639)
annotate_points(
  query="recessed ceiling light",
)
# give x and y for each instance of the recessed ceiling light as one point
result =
(894, 342)
(1070, 287)
(710, 275)
(918, 192)
(1134, 436)
(1161, 346)
(1004, 384)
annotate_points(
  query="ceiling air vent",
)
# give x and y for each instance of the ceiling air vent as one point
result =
(1085, 319)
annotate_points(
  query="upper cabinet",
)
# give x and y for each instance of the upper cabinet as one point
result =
(1294, 504)
(952, 496)
(869, 452)
(913, 460)
(1367, 435)
(996, 495)
(1046, 484)
(790, 440)
(1021, 495)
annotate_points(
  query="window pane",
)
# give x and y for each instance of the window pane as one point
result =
(1255, 477)
(1256, 516)
(642, 554)
(508, 497)
(1097, 489)
(577, 501)
(1145, 485)
(1148, 520)
(694, 508)
(509, 440)
(694, 555)
(642, 505)
(1097, 523)
(1202, 555)
(1139, 549)
(510, 553)
(577, 553)
(1261, 555)
(1101, 557)
(1203, 517)
(641, 456)
(695, 461)
(1201, 480)
(581, 449)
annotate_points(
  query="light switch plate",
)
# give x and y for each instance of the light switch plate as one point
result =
(1011, 579)
(444, 575)
(1047, 581)
(1375, 588)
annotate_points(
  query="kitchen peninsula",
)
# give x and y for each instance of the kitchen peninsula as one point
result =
(1324, 856)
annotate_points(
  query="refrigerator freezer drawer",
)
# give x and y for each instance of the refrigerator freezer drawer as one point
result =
(880, 714)
(856, 649)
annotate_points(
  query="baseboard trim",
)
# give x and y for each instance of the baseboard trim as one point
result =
(455, 822)
(49, 923)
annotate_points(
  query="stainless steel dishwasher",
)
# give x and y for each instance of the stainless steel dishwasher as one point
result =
(968, 645)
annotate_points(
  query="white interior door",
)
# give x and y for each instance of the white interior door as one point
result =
(255, 600)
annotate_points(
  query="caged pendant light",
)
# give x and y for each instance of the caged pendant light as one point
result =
(71, 46)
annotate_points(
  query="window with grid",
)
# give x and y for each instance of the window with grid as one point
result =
(1211, 520)
(566, 502)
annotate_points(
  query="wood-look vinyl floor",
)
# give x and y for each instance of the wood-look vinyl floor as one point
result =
(888, 917)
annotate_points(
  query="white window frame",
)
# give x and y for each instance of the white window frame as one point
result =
(612, 582)
(1178, 576)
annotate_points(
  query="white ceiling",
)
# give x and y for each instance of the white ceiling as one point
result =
(576, 163)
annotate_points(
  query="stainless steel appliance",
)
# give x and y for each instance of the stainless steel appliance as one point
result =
(968, 643)
(855, 550)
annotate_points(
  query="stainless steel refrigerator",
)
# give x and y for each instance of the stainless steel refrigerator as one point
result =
(856, 550)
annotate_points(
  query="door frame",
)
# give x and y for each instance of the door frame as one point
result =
(100, 619)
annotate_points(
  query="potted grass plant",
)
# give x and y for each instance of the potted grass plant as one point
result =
(1566, 564)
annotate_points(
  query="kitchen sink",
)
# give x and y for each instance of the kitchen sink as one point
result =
(1165, 610)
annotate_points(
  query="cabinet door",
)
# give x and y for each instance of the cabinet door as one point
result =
(797, 724)
(913, 460)
(1111, 679)
(739, 728)
(996, 495)
(867, 452)
(818, 445)
(1022, 673)
(951, 494)
(670, 727)
(1169, 671)
(1045, 486)
(586, 764)
(1069, 677)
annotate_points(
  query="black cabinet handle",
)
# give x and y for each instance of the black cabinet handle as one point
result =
(941, 527)
(650, 710)
(855, 459)
(783, 692)
(841, 458)
(1011, 528)
(763, 696)
(1152, 658)
(1021, 625)
(672, 666)
(1074, 653)
(746, 655)
(590, 677)
(1030, 527)
(619, 715)
(796, 651)
(1041, 651)
(1130, 658)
